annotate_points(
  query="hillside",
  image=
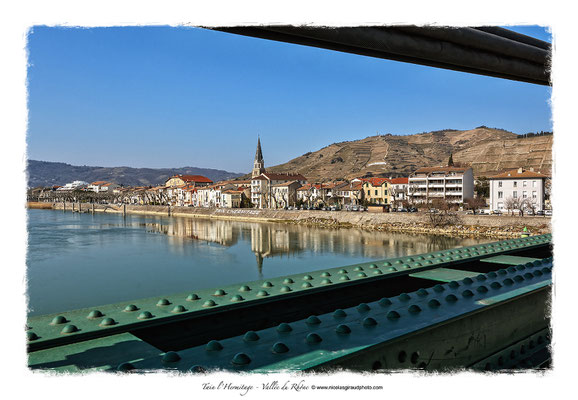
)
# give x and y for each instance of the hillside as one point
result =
(44, 173)
(487, 150)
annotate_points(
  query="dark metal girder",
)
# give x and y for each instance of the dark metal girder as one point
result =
(489, 51)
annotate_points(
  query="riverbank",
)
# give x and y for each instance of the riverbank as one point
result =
(488, 226)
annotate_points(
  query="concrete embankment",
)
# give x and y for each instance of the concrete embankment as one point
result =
(467, 225)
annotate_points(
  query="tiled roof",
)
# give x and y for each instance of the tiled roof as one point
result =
(399, 181)
(284, 177)
(515, 173)
(377, 181)
(193, 178)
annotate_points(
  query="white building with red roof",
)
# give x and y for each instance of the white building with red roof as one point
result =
(522, 185)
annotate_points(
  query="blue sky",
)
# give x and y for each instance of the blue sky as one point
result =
(171, 97)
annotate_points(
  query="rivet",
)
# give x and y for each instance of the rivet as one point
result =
(313, 320)
(251, 336)
(307, 278)
(537, 263)
(58, 320)
(267, 284)
(197, 369)
(402, 356)
(171, 356)
(438, 288)
(385, 302)
(404, 297)
(450, 298)
(398, 262)
(368, 322)
(339, 313)
(430, 256)
(69, 329)
(279, 348)
(179, 309)
(377, 272)
(285, 289)
(392, 269)
(511, 269)
(362, 275)
(373, 266)
(313, 338)
(237, 298)
(522, 267)
(343, 329)
(482, 289)
(387, 264)
(130, 308)
(414, 309)
(422, 292)
(145, 315)
(94, 314)
(495, 285)
(420, 258)
(492, 274)
(244, 288)
(467, 293)
(481, 278)
(262, 293)
(306, 285)
(325, 274)
(519, 278)
(405, 266)
(448, 259)
(209, 303)
(528, 275)
(288, 281)
(393, 315)
(468, 281)
(417, 264)
(326, 282)
(214, 345)
(125, 367)
(453, 284)
(531, 344)
(502, 272)
(428, 262)
(31, 336)
(107, 322)
(344, 278)
(363, 307)
(163, 302)
(546, 270)
(475, 253)
(219, 292)
(342, 271)
(284, 327)
(241, 359)
(192, 297)
(414, 357)
(538, 273)
(409, 259)
(433, 303)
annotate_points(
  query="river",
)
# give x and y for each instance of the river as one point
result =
(82, 260)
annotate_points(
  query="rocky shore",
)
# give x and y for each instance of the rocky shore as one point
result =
(488, 226)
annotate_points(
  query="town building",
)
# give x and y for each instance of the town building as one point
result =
(284, 194)
(510, 188)
(102, 186)
(180, 180)
(262, 182)
(376, 191)
(398, 191)
(453, 184)
(76, 185)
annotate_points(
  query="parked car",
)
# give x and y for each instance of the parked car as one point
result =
(433, 210)
(496, 212)
(333, 208)
(354, 208)
(402, 210)
(548, 212)
(413, 209)
(540, 212)
(470, 212)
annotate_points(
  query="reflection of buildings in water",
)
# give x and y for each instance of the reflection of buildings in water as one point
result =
(275, 240)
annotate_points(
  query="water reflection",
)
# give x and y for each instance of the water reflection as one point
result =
(275, 240)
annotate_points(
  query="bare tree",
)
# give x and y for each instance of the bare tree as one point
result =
(530, 205)
(475, 203)
(444, 214)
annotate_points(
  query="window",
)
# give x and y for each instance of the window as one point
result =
(515, 194)
(368, 192)
(499, 183)
(533, 183)
(500, 205)
(524, 194)
(515, 183)
(376, 192)
(525, 183)
(500, 195)
(534, 194)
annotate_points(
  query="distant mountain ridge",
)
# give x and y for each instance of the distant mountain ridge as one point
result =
(487, 150)
(47, 173)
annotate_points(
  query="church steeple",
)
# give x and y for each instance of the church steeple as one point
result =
(259, 163)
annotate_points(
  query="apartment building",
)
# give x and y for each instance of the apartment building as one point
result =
(453, 184)
(519, 183)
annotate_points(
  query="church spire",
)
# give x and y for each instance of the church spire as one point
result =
(259, 163)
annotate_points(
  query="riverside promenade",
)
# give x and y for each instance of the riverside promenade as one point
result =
(491, 226)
